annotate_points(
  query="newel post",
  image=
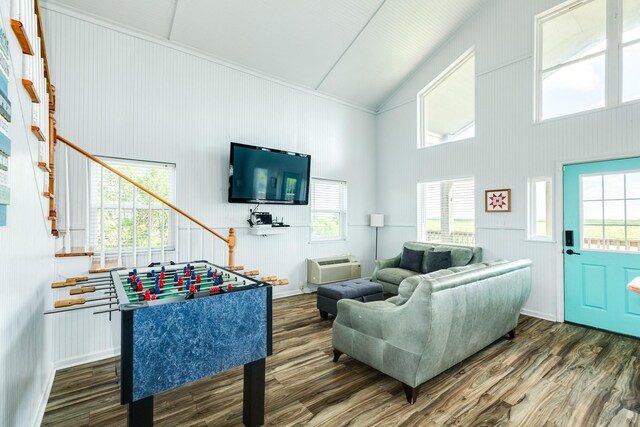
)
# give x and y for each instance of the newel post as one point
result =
(232, 245)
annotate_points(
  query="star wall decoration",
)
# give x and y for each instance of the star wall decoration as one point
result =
(497, 200)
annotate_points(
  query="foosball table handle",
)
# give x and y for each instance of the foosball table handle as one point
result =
(69, 302)
(82, 290)
(77, 279)
(62, 284)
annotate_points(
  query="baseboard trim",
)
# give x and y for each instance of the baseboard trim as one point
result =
(86, 358)
(539, 315)
(39, 414)
(287, 294)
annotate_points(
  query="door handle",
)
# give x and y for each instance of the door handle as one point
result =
(572, 252)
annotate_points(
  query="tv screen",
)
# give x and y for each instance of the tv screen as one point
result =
(266, 175)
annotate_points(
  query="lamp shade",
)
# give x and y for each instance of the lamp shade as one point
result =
(376, 220)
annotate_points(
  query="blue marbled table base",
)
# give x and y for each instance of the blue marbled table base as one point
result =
(181, 342)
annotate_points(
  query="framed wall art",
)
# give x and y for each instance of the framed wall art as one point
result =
(497, 200)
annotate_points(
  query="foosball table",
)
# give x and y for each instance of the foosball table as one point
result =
(194, 319)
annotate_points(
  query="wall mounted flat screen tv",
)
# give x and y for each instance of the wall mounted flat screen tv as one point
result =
(265, 175)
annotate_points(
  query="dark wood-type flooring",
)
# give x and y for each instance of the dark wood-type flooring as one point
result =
(551, 374)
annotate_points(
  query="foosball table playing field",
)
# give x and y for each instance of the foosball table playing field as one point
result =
(197, 318)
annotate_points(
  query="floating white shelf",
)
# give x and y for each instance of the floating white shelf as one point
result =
(267, 231)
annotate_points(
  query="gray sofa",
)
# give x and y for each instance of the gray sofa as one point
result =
(436, 321)
(389, 274)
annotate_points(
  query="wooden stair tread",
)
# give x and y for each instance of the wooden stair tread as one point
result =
(74, 251)
(108, 266)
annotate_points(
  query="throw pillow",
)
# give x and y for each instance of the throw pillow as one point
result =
(411, 259)
(438, 260)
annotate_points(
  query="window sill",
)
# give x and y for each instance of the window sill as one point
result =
(441, 144)
(540, 240)
(313, 242)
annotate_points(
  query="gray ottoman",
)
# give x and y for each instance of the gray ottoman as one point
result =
(358, 289)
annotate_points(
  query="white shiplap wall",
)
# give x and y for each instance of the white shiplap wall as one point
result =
(26, 266)
(508, 147)
(125, 95)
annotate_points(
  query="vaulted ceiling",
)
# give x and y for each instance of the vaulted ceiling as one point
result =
(356, 50)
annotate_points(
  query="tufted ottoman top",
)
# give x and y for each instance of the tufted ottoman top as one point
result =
(350, 289)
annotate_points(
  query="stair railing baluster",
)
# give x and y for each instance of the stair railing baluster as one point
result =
(149, 232)
(102, 243)
(119, 222)
(135, 228)
(67, 210)
(162, 235)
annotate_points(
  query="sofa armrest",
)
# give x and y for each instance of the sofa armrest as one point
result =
(367, 318)
(385, 263)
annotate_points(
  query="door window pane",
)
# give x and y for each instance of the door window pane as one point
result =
(613, 186)
(611, 222)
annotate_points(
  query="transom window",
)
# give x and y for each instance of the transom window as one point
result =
(579, 64)
(446, 106)
(123, 217)
(610, 217)
(328, 210)
(446, 211)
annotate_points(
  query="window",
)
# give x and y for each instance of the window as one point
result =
(446, 211)
(328, 210)
(630, 50)
(578, 62)
(446, 106)
(540, 209)
(118, 209)
(610, 216)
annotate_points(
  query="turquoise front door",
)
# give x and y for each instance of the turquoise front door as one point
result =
(602, 244)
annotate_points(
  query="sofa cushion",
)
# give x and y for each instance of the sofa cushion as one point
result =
(438, 261)
(394, 275)
(459, 256)
(496, 262)
(419, 246)
(411, 259)
(408, 286)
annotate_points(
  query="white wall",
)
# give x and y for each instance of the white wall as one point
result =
(125, 95)
(508, 147)
(26, 266)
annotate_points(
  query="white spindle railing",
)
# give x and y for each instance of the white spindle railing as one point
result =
(102, 242)
(67, 203)
(119, 221)
(87, 233)
(107, 218)
(135, 228)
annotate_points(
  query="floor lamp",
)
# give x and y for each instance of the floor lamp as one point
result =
(377, 221)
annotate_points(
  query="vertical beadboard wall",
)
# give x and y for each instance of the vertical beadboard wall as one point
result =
(127, 96)
(26, 266)
(508, 147)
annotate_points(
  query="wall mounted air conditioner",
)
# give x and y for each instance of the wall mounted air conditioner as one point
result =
(332, 269)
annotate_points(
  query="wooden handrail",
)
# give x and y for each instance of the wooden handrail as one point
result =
(230, 241)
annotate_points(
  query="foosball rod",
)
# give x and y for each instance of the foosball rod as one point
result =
(79, 307)
(89, 289)
(80, 301)
(69, 283)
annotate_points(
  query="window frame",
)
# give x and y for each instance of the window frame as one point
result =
(421, 208)
(613, 56)
(95, 216)
(423, 132)
(342, 212)
(532, 219)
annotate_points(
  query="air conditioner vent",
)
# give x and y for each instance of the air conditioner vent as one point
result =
(332, 269)
(334, 261)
